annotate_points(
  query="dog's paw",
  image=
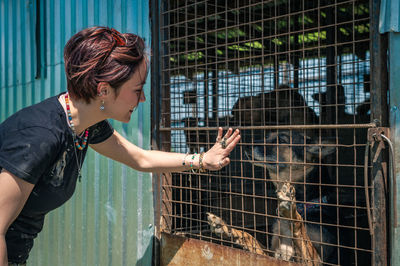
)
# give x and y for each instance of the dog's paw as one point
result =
(284, 252)
(286, 192)
(286, 196)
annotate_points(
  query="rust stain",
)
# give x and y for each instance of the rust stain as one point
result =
(181, 251)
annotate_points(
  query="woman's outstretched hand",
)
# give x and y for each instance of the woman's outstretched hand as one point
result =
(217, 157)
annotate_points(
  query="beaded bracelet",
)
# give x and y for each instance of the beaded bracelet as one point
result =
(191, 163)
(201, 165)
(184, 159)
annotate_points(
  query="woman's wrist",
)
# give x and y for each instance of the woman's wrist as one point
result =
(194, 161)
(189, 161)
(184, 161)
(201, 162)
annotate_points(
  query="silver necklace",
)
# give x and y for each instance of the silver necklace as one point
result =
(77, 161)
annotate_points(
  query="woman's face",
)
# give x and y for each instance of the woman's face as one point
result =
(130, 95)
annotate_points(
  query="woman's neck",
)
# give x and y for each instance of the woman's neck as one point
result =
(83, 115)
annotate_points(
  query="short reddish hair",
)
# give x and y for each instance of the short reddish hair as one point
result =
(100, 54)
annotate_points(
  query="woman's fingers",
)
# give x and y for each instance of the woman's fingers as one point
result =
(231, 139)
(226, 161)
(228, 138)
(233, 136)
(219, 136)
(223, 162)
(218, 154)
(228, 133)
(233, 143)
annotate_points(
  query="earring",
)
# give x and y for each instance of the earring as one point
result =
(102, 105)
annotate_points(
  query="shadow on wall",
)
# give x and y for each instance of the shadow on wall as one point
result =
(147, 257)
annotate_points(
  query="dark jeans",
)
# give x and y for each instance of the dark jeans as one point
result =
(18, 247)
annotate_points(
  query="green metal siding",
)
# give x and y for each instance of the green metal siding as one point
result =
(109, 219)
(394, 63)
(389, 22)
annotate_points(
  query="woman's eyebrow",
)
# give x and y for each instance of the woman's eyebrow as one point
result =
(140, 84)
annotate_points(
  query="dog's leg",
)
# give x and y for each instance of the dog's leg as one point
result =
(302, 243)
(282, 240)
(243, 239)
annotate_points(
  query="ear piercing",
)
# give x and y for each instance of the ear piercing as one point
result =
(102, 105)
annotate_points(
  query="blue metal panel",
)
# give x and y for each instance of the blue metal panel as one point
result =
(109, 219)
(389, 21)
(389, 18)
(394, 116)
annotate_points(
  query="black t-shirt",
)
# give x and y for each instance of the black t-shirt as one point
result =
(36, 144)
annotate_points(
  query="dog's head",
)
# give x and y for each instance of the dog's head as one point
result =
(288, 155)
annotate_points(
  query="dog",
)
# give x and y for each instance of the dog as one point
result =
(291, 158)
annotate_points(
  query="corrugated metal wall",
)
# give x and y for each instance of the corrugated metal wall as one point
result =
(109, 219)
(389, 24)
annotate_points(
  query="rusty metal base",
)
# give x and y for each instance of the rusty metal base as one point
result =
(178, 250)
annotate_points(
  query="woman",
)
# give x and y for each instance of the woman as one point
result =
(42, 147)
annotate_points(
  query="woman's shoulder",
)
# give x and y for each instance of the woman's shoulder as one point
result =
(41, 114)
(47, 116)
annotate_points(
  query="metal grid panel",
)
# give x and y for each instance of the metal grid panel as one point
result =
(293, 75)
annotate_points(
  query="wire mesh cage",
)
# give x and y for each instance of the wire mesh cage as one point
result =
(293, 76)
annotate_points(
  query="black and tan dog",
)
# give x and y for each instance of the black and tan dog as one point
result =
(291, 158)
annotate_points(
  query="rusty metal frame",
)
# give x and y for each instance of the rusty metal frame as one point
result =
(379, 87)
(162, 123)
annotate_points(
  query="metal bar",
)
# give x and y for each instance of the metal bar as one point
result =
(392, 167)
(283, 127)
(366, 187)
(394, 44)
(156, 143)
(379, 85)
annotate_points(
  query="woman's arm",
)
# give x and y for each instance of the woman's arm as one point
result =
(120, 149)
(13, 194)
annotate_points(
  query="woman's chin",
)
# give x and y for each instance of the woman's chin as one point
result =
(124, 120)
(127, 120)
